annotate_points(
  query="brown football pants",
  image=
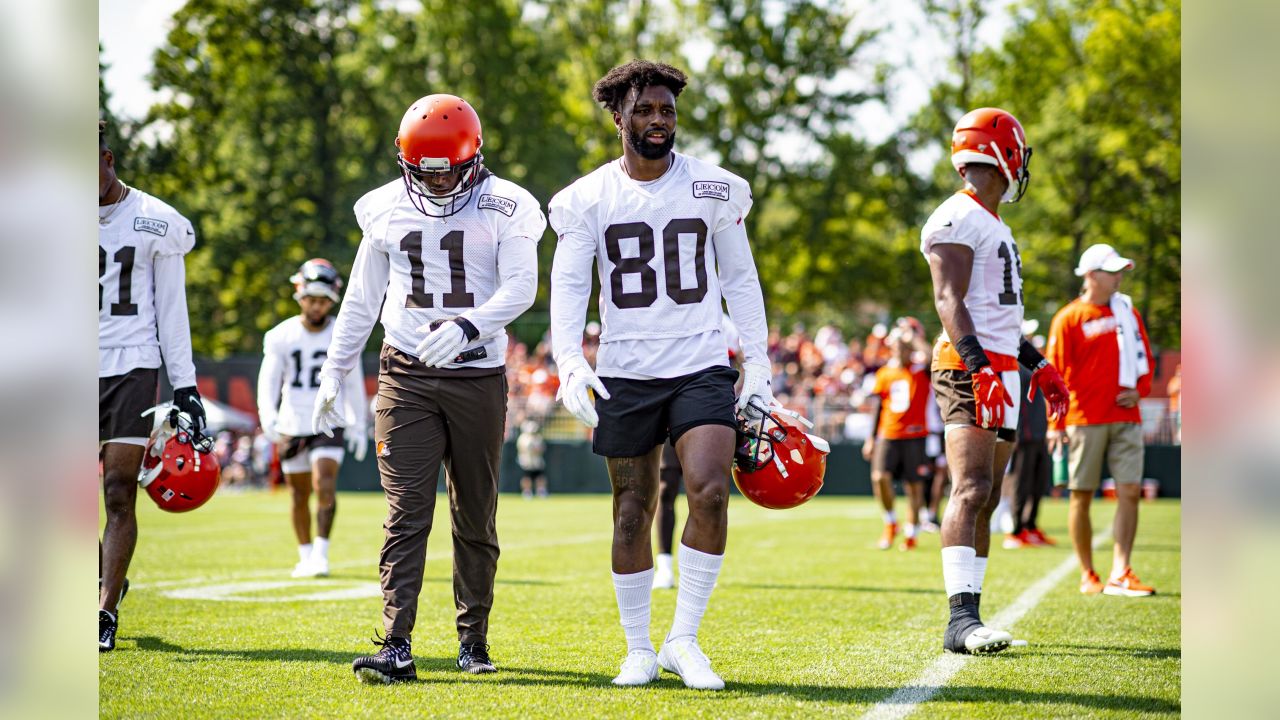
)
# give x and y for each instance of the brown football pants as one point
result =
(425, 417)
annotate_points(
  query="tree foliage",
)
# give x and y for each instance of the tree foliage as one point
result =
(278, 114)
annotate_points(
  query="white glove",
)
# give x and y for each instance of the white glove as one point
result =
(269, 429)
(441, 345)
(326, 417)
(576, 376)
(358, 442)
(755, 384)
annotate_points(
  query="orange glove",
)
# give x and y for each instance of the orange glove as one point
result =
(990, 397)
(1050, 382)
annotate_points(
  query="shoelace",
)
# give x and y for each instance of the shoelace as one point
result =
(394, 648)
(105, 630)
(475, 651)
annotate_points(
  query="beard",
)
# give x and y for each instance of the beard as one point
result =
(648, 150)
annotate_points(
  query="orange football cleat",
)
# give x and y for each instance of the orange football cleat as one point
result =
(886, 538)
(909, 544)
(1090, 583)
(1128, 585)
(1013, 542)
(1041, 538)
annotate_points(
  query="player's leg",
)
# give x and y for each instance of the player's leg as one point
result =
(325, 463)
(982, 531)
(1085, 448)
(1124, 457)
(941, 477)
(883, 459)
(409, 432)
(1036, 472)
(526, 485)
(916, 474)
(665, 524)
(296, 469)
(476, 411)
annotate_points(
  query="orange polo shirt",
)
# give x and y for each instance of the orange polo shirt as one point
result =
(903, 393)
(1083, 346)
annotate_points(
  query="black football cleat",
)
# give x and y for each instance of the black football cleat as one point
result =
(474, 658)
(393, 663)
(107, 626)
(967, 635)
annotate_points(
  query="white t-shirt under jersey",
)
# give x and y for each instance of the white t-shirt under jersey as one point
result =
(668, 253)
(480, 263)
(292, 357)
(994, 299)
(142, 301)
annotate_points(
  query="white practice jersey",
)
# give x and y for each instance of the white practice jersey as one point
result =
(142, 304)
(668, 253)
(479, 263)
(994, 300)
(292, 357)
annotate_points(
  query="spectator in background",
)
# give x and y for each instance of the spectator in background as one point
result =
(531, 456)
(1175, 403)
(1100, 344)
(1030, 467)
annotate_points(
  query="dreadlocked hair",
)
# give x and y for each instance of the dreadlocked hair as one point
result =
(611, 90)
(102, 135)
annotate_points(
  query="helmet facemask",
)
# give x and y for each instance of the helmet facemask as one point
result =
(417, 183)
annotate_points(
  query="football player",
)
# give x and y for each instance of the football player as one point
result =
(977, 286)
(666, 232)
(142, 320)
(292, 353)
(453, 249)
(896, 446)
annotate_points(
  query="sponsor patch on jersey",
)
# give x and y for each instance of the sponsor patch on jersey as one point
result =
(155, 227)
(711, 189)
(503, 205)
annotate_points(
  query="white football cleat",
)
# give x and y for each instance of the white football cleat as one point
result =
(640, 667)
(320, 566)
(664, 579)
(985, 640)
(305, 569)
(683, 657)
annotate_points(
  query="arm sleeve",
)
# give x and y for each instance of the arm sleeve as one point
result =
(517, 272)
(270, 381)
(1056, 353)
(353, 395)
(171, 319)
(359, 311)
(741, 289)
(570, 283)
(1144, 382)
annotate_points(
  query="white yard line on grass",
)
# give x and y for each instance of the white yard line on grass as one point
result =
(905, 701)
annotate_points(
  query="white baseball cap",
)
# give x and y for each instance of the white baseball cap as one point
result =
(1102, 257)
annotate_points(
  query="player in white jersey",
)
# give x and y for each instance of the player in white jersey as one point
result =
(142, 320)
(292, 354)
(977, 286)
(666, 231)
(453, 250)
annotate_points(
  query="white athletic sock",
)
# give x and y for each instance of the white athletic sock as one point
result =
(979, 572)
(664, 562)
(909, 530)
(890, 517)
(322, 547)
(957, 569)
(304, 552)
(698, 573)
(633, 591)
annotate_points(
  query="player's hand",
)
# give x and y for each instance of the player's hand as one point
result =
(1128, 398)
(1050, 383)
(755, 384)
(868, 448)
(269, 431)
(441, 345)
(576, 378)
(326, 417)
(990, 398)
(358, 442)
(187, 400)
(1055, 439)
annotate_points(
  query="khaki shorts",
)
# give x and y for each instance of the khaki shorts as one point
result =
(1120, 444)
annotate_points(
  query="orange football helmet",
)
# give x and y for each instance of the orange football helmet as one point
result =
(439, 141)
(179, 470)
(777, 464)
(992, 136)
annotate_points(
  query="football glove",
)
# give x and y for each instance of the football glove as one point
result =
(441, 345)
(990, 397)
(358, 442)
(187, 400)
(268, 423)
(576, 378)
(755, 384)
(326, 417)
(1050, 382)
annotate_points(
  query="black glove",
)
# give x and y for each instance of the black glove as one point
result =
(187, 400)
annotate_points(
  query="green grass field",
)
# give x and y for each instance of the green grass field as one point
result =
(808, 620)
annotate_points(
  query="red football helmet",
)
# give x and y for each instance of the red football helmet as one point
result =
(179, 470)
(777, 464)
(992, 136)
(439, 141)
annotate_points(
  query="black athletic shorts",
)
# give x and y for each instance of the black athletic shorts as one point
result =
(295, 446)
(121, 401)
(641, 414)
(902, 459)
